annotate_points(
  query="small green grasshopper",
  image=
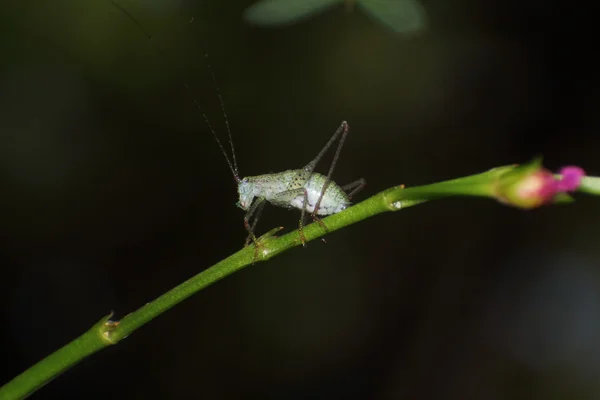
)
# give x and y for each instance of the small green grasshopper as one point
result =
(304, 189)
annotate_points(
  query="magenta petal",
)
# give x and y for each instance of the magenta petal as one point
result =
(571, 179)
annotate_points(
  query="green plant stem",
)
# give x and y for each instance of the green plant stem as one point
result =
(107, 332)
(590, 185)
(56, 363)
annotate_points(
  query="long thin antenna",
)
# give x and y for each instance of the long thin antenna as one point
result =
(232, 166)
(212, 74)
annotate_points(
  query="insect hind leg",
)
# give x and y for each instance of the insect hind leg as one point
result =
(342, 130)
(354, 187)
(308, 171)
(314, 218)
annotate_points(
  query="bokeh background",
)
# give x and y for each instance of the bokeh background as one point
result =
(113, 192)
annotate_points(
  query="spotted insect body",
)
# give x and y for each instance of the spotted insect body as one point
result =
(286, 189)
(304, 189)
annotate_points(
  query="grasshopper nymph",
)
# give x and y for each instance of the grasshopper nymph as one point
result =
(304, 189)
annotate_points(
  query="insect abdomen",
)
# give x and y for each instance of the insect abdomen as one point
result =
(273, 187)
(334, 199)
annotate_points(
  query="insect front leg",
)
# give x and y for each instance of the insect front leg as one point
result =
(257, 215)
(255, 208)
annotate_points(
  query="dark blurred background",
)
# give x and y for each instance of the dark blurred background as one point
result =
(113, 192)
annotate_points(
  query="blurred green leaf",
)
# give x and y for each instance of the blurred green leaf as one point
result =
(402, 16)
(279, 12)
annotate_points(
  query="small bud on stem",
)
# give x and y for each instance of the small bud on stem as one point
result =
(531, 185)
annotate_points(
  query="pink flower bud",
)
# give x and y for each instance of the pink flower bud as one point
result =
(571, 179)
(532, 185)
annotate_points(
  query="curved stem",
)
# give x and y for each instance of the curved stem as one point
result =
(108, 332)
(56, 363)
